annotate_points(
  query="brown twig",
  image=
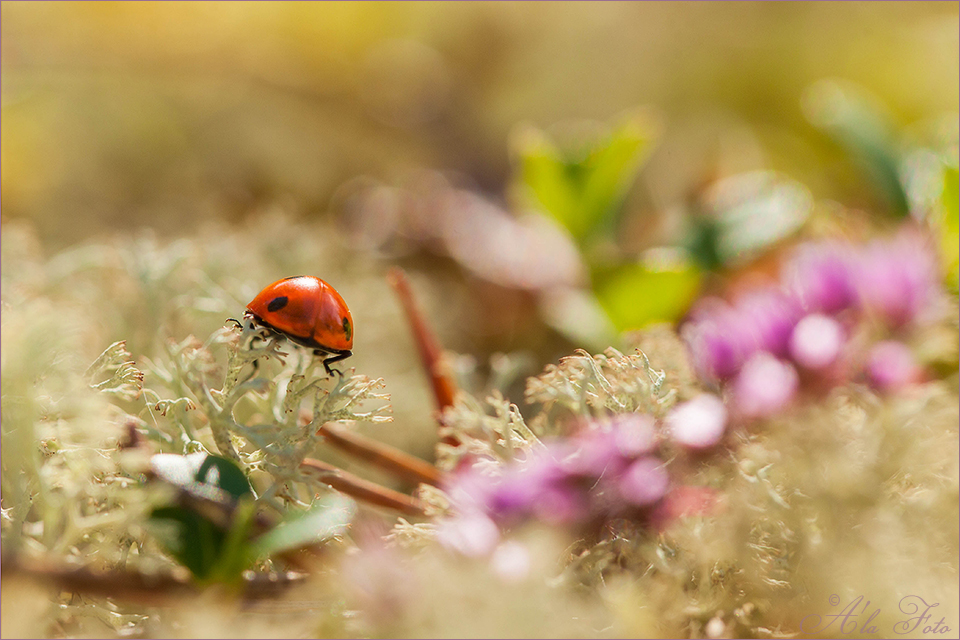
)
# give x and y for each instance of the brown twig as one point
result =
(382, 455)
(444, 387)
(130, 585)
(363, 490)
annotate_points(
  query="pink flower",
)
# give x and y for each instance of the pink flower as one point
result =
(764, 386)
(634, 434)
(816, 341)
(644, 482)
(608, 445)
(564, 502)
(721, 338)
(606, 471)
(536, 486)
(769, 315)
(891, 365)
(718, 340)
(471, 533)
(823, 276)
(698, 423)
(897, 278)
(838, 286)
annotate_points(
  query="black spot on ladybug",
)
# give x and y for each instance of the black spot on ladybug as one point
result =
(277, 303)
(347, 329)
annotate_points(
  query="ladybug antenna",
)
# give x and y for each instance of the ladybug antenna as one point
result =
(234, 320)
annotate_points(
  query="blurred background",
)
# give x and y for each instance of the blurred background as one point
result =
(552, 175)
(119, 115)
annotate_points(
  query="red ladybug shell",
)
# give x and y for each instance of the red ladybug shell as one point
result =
(308, 311)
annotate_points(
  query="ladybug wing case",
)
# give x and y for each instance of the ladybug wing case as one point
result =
(334, 326)
(307, 310)
(290, 306)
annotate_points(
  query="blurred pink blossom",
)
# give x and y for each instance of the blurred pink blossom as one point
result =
(823, 277)
(718, 340)
(644, 482)
(898, 278)
(698, 423)
(891, 365)
(471, 533)
(829, 288)
(764, 386)
(605, 471)
(816, 341)
(769, 315)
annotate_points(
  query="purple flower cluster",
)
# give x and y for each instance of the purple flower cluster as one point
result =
(772, 338)
(894, 279)
(608, 471)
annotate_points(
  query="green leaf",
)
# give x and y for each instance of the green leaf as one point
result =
(950, 225)
(583, 186)
(543, 172)
(328, 518)
(856, 123)
(659, 288)
(211, 552)
(213, 544)
(236, 552)
(703, 242)
(744, 215)
(225, 474)
(196, 542)
(203, 475)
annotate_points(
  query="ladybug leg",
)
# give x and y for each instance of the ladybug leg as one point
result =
(334, 358)
(238, 323)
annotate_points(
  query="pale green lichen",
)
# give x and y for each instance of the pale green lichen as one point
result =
(584, 386)
(77, 436)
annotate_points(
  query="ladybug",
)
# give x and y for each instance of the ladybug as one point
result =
(309, 312)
